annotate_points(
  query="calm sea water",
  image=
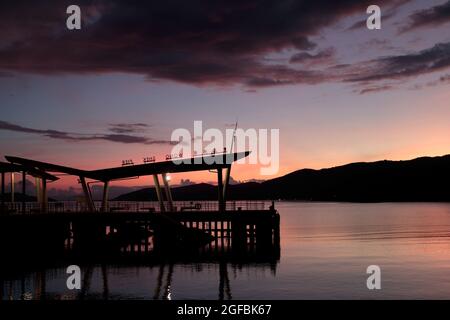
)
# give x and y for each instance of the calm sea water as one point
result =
(325, 250)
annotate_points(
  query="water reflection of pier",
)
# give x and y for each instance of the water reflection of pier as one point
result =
(34, 285)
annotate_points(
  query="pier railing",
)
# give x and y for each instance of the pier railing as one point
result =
(132, 206)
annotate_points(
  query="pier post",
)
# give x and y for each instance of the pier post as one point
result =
(158, 192)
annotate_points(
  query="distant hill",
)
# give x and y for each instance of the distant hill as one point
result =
(201, 191)
(18, 197)
(421, 179)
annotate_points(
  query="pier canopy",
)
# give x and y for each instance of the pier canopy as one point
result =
(6, 167)
(212, 162)
(200, 163)
(12, 168)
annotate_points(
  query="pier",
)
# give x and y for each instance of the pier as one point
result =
(165, 228)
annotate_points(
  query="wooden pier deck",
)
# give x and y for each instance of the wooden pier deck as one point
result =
(244, 227)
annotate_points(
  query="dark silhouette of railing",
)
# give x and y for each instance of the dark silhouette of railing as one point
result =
(132, 206)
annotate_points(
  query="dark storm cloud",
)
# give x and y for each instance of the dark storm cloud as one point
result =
(197, 42)
(78, 137)
(429, 18)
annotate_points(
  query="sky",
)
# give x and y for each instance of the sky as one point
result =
(117, 88)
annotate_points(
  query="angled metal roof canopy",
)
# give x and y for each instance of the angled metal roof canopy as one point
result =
(11, 167)
(205, 162)
(213, 161)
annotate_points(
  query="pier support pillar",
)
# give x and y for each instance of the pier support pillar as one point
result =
(158, 192)
(220, 191)
(87, 194)
(105, 196)
(168, 193)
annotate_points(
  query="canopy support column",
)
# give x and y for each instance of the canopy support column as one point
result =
(227, 182)
(12, 186)
(168, 193)
(87, 194)
(3, 191)
(105, 196)
(44, 195)
(37, 182)
(159, 193)
(24, 190)
(220, 191)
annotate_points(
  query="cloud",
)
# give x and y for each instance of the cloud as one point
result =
(443, 79)
(186, 182)
(374, 89)
(429, 60)
(321, 57)
(200, 43)
(4, 74)
(388, 68)
(429, 17)
(78, 137)
(234, 181)
(303, 43)
(362, 24)
(220, 43)
(122, 128)
(378, 45)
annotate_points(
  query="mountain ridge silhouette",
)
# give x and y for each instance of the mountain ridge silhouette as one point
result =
(422, 179)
